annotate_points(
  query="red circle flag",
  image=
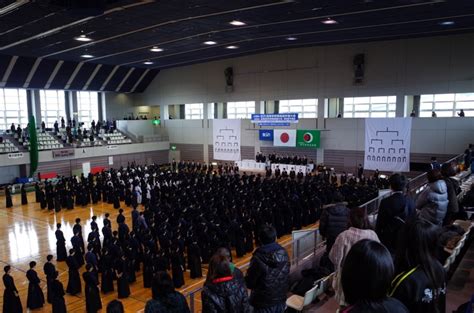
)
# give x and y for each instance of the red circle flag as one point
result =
(308, 137)
(284, 137)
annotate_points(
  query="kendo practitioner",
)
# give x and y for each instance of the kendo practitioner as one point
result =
(11, 299)
(135, 214)
(194, 259)
(107, 282)
(57, 203)
(93, 301)
(76, 241)
(24, 198)
(77, 229)
(277, 172)
(148, 269)
(121, 271)
(91, 258)
(61, 253)
(57, 298)
(116, 198)
(8, 197)
(37, 193)
(177, 269)
(74, 279)
(120, 217)
(49, 270)
(42, 199)
(35, 298)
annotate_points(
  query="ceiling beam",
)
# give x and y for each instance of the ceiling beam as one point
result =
(109, 78)
(8, 71)
(73, 75)
(96, 70)
(32, 72)
(53, 74)
(139, 80)
(124, 79)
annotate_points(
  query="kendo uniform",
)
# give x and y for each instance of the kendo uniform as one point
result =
(11, 300)
(123, 287)
(78, 252)
(61, 253)
(194, 260)
(57, 204)
(24, 198)
(49, 270)
(74, 280)
(108, 273)
(8, 197)
(58, 303)
(35, 299)
(93, 301)
(43, 203)
(177, 270)
(148, 269)
(37, 193)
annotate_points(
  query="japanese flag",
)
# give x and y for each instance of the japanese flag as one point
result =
(284, 137)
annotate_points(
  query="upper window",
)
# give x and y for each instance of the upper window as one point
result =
(210, 111)
(194, 111)
(306, 108)
(13, 108)
(365, 107)
(447, 105)
(241, 109)
(53, 106)
(88, 107)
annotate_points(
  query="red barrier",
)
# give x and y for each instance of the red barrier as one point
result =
(48, 175)
(97, 169)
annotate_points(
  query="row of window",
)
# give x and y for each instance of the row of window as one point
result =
(14, 107)
(445, 105)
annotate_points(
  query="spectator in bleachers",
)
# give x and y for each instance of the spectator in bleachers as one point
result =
(223, 293)
(359, 228)
(19, 131)
(365, 279)
(268, 274)
(93, 124)
(433, 200)
(56, 127)
(448, 171)
(434, 164)
(43, 127)
(467, 159)
(421, 281)
(63, 123)
(334, 220)
(12, 128)
(393, 212)
(164, 296)
(468, 199)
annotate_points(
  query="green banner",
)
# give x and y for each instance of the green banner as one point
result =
(306, 138)
(33, 146)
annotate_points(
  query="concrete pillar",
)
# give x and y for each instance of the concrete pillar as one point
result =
(322, 104)
(34, 105)
(205, 131)
(220, 110)
(400, 107)
(73, 105)
(259, 109)
(164, 112)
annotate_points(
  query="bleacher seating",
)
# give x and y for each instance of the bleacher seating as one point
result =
(115, 138)
(7, 146)
(45, 142)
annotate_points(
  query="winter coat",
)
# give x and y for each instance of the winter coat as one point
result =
(334, 220)
(171, 303)
(433, 202)
(268, 276)
(225, 295)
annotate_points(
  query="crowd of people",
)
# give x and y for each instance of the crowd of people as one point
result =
(283, 159)
(188, 214)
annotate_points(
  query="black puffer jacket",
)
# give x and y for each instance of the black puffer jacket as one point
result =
(225, 297)
(334, 220)
(267, 276)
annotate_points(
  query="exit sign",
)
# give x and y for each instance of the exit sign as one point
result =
(173, 148)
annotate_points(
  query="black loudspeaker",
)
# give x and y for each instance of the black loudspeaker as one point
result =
(229, 79)
(359, 68)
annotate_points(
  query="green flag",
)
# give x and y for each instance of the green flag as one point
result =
(33, 146)
(308, 138)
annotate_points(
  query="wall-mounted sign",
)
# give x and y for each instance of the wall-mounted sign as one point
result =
(284, 119)
(63, 153)
(112, 147)
(173, 148)
(17, 155)
(265, 134)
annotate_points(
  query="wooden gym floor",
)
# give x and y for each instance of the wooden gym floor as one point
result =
(27, 234)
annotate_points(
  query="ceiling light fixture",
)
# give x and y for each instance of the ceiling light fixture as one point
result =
(446, 23)
(87, 56)
(237, 23)
(232, 47)
(329, 21)
(291, 38)
(210, 42)
(156, 49)
(83, 38)
(148, 63)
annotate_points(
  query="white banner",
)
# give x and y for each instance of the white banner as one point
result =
(226, 140)
(387, 144)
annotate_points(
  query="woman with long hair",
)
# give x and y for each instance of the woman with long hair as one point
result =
(165, 297)
(365, 279)
(421, 280)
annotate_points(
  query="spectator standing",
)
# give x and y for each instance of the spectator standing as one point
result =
(268, 274)
(453, 188)
(421, 281)
(433, 200)
(359, 228)
(165, 298)
(461, 113)
(222, 292)
(393, 212)
(365, 279)
(334, 220)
